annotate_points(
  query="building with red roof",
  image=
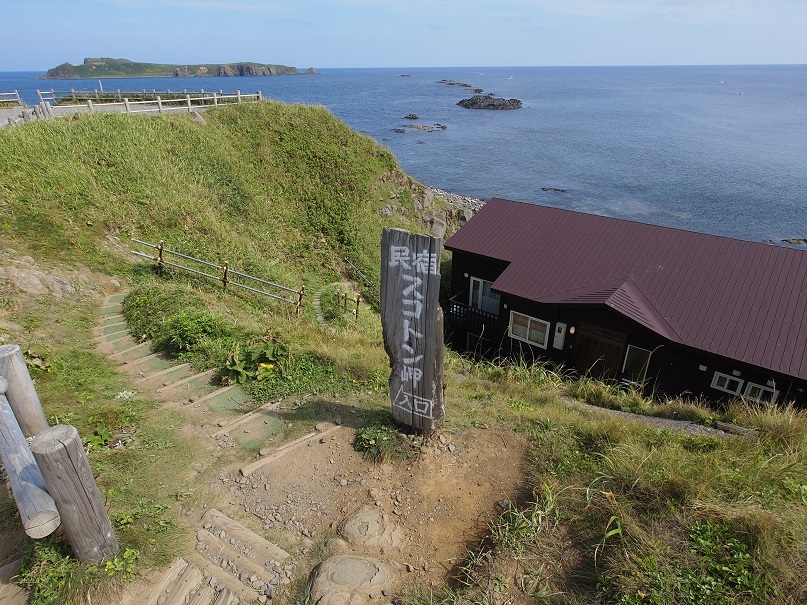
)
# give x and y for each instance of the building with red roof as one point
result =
(677, 311)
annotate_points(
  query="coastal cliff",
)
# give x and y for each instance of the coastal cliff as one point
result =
(124, 68)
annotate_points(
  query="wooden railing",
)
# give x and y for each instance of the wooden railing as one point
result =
(183, 97)
(226, 275)
(11, 98)
(52, 105)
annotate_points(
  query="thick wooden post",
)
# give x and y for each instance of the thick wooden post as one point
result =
(412, 323)
(69, 479)
(21, 393)
(38, 511)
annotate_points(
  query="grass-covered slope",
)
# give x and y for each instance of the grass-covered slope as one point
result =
(282, 191)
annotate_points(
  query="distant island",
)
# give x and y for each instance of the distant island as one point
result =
(124, 68)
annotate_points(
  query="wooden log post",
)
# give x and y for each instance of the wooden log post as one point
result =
(126, 105)
(38, 511)
(159, 104)
(21, 393)
(412, 324)
(69, 479)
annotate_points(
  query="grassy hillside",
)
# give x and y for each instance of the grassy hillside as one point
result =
(611, 511)
(282, 191)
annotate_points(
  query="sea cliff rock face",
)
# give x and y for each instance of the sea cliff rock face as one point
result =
(248, 69)
(489, 102)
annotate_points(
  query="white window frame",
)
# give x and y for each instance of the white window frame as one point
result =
(530, 319)
(718, 375)
(765, 389)
(646, 365)
(493, 295)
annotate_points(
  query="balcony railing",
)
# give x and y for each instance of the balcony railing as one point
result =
(462, 316)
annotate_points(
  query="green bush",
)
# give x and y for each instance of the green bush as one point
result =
(182, 332)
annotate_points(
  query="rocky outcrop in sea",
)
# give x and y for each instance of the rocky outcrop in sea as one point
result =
(489, 102)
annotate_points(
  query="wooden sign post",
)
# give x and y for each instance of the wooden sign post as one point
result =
(412, 323)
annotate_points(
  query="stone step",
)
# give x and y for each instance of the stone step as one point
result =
(117, 298)
(149, 364)
(122, 343)
(196, 385)
(226, 398)
(112, 309)
(112, 319)
(113, 328)
(167, 376)
(132, 353)
(100, 336)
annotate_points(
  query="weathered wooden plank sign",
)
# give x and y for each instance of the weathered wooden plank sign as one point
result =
(412, 323)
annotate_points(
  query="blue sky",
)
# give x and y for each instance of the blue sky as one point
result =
(407, 33)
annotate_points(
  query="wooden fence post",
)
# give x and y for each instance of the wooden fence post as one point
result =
(260, 95)
(21, 393)
(159, 104)
(238, 92)
(126, 105)
(37, 509)
(188, 101)
(69, 479)
(89, 105)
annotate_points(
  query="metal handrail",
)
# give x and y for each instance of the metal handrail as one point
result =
(224, 278)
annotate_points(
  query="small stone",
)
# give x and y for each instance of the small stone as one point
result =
(451, 447)
(385, 592)
(223, 423)
(262, 598)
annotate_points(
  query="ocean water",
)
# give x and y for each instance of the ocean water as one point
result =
(717, 149)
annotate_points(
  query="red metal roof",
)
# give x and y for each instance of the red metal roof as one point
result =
(742, 300)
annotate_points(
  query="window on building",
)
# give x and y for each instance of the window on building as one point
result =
(636, 362)
(727, 383)
(481, 296)
(760, 393)
(529, 329)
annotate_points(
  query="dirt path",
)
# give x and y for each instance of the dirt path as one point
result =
(296, 500)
